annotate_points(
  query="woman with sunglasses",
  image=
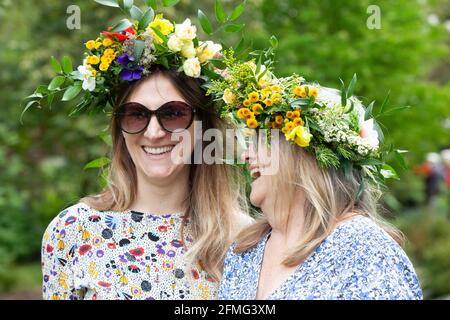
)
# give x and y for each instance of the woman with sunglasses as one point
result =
(161, 228)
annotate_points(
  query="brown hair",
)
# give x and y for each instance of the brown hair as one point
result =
(216, 206)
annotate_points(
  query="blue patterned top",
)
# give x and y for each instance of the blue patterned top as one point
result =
(359, 260)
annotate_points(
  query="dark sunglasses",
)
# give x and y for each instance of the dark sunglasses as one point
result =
(172, 116)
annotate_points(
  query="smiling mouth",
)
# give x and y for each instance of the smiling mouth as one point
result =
(255, 173)
(155, 151)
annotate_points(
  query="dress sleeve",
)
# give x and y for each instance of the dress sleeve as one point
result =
(380, 275)
(227, 280)
(58, 256)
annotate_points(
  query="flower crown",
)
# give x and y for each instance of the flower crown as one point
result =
(129, 51)
(332, 124)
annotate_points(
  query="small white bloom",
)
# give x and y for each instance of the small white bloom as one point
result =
(85, 73)
(175, 44)
(192, 67)
(188, 50)
(369, 134)
(186, 31)
(207, 50)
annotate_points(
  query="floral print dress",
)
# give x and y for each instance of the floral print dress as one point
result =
(90, 254)
(358, 260)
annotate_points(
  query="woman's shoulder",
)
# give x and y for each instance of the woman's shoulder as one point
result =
(70, 217)
(362, 241)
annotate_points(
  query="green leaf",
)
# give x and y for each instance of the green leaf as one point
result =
(42, 89)
(385, 102)
(139, 47)
(109, 3)
(343, 94)
(218, 63)
(127, 4)
(237, 11)
(50, 98)
(152, 4)
(106, 138)
(240, 46)
(55, 65)
(368, 115)
(233, 27)
(274, 42)
(136, 13)
(67, 64)
(369, 162)
(400, 159)
(72, 92)
(170, 3)
(351, 86)
(204, 22)
(389, 173)
(160, 34)
(122, 25)
(220, 13)
(148, 17)
(28, 106)
(348, 168)
(98, 163)
(56, 83)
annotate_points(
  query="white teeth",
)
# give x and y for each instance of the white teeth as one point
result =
(157, 151)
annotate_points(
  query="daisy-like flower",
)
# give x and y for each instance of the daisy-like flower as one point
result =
(85, 73)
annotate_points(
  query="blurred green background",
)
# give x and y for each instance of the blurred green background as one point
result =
(42, 160)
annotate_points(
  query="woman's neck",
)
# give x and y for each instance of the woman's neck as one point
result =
(292, 231)
(163, 196)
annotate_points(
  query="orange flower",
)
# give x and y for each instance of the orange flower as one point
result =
(257, 108)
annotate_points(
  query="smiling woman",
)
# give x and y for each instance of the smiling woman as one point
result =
(161, 229)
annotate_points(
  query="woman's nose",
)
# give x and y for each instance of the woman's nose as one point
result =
(154, 129)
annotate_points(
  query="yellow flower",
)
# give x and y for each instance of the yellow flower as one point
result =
(285, 130)
(163, 25)
(276, 88)
(240, 114)
(228, 96)
(247, 103)
(98, 44)
(289, 125)
(300, 135)
(90, 45)
(313, 92)
(253, 96)
(257, 108)
(106, 60)
(300, 92)
(108, 52)
(104, 67)
(268, 102)
(296, 113)
(94, 72)
(107, 42)
(93, 60)
(298, 121)
(289, 115)
(252, 123)
(278, 119)
(276, 97)
(250, 115)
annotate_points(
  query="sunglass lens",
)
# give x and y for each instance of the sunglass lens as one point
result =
(175, 116)
(133, 118)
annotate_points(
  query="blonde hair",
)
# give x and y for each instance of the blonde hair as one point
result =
(329, 197)
(216, 205)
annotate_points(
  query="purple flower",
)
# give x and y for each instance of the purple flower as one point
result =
(131, 71)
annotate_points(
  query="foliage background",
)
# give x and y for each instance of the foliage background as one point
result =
(42, 160)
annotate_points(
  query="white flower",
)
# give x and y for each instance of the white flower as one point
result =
(85, 73)
(207, 50)
(188, 50)
(185, 31)
(175, 44)
(192, 67)
(369, 134)
(228, 96)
